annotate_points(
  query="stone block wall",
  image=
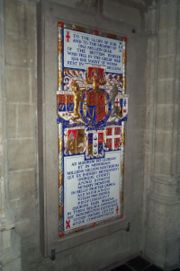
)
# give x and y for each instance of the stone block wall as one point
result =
(162, 228)
(20, 98)
(153, 137)
(20, 90)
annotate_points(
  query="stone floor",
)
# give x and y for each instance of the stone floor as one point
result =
(138, 264)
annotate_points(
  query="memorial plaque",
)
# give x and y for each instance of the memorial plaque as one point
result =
(92, 109)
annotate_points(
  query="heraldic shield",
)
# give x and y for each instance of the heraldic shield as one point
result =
(95, 105)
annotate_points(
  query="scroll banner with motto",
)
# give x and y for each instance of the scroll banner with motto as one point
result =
(92, 109)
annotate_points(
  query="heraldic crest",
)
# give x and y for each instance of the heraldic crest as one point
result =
(91, 104)
(87, 109)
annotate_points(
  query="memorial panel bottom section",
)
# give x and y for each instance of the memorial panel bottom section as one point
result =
(92, 189)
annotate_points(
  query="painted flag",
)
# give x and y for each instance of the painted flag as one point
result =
(90, 144)
(113, 138)
(100, 142)
(75, 143)
(125, 106)
(95, 144)
(108, 131)
(70, 103)
(122, 104)
(61, 102)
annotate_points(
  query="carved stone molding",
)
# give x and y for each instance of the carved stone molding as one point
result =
(162, 180)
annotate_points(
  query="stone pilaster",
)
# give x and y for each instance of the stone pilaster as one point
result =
(9, 240)
(162, 192)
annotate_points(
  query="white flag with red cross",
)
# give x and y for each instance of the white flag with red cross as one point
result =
(113, 137)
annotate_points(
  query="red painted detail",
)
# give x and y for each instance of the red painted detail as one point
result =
(68, 226)
(117, 143)
(96, 32)
(72, 134)
(108, 131)
(61, 234)
(95, 72)
(70, 99)
(68, 36)
(61, 23)
(117, 130)
(100, 137)
(125, 39)
(109, 143)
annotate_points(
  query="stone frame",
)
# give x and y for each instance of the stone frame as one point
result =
(48, 15)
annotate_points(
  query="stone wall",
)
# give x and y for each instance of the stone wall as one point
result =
(158, 146)
(162, 204)
(20, 110)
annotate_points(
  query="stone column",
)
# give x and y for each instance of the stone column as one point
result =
(162, 193)
(9, 241)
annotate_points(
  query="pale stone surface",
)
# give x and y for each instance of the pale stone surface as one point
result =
(164, 117)
(167, 42)
(9, 240)
(20, 33)
(10, 250)
(162, 163)
(153, 144)
(161, 236)
(21, 154)
(168, 14)
(17, 83)
(14, 265)
(15, 13)
(166, 67)
(22, 184)
(137, 119)
(167, 189)
(163, 142)
(172, 13)
(26, 120)
(17, 49)
(25, 208)
(162, 194)
(12, 120)
(122, 13)
(165, 94)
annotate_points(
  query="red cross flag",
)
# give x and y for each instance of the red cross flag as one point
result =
(113, 137)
